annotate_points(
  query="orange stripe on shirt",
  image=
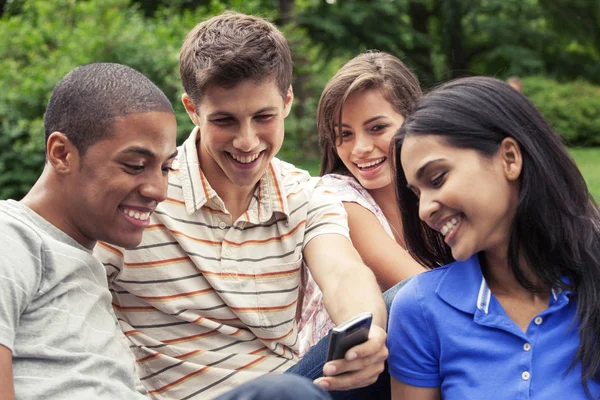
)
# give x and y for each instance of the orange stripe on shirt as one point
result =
(189, 338)
(276, 274)
(204, 182)
(178, 233)
(277, 338)
(148, 358)
(251, 364)
(111, 249)
(277, 188)
(156, 263)
(174, 201)
(272, 239)
(200, 292)
(264, 309)
(179, 381)
(189, 355)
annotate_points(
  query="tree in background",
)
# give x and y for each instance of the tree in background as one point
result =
(551, 41)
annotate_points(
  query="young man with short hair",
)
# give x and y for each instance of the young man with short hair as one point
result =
(110, 142)
(209, 299)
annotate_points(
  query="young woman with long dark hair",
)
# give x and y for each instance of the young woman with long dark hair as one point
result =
(489, 194)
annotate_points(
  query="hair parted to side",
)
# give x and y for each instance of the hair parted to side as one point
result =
(556, 227)
(85, 103)
(370, 70)
(230, 48)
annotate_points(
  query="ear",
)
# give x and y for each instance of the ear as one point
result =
(512, 159)
(190, 108)
(289, 99)
(62, 155)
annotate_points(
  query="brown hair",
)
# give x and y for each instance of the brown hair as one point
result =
(230, 48)
(371, 70)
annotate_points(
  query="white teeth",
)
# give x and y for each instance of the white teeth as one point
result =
(371, 163)
(244, 159)
(137, 214)
(449, 226)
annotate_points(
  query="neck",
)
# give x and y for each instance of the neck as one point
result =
(499, 275)
(49, 201)
(236, 198)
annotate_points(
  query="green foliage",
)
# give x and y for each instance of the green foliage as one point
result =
(571, 108)
(439, 39)
(45, 40)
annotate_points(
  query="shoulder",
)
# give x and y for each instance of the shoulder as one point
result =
(288, 173)
(342, 184)
(18, 229)
(420, 289)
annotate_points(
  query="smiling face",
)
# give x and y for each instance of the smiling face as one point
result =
(112, 190)
(241, 130)
(468, 198)
(369, 123)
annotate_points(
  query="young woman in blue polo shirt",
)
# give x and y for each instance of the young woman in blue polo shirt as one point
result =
(482, 179)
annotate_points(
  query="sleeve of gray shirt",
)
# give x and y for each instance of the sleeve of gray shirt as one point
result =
(20, 274)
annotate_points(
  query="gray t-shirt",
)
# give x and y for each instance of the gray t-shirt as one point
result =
(56, 315)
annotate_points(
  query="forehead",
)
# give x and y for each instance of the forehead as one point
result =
(246, 95)
(154, 131)
(368, 103)
(419, 150)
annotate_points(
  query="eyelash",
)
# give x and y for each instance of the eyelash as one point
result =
(135, 168)
(379, 127)
(437, 181)
(139, 168)
(264, 117)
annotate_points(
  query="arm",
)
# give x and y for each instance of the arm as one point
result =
(7, 391)
(341, 277)
(402, 391)
(348, 288)
(387, 259)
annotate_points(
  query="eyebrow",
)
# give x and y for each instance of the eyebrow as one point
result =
(228, 114)
(421, 171)
(145, 152)
(367, 122)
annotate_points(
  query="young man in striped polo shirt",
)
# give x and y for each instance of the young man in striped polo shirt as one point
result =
(209, 299)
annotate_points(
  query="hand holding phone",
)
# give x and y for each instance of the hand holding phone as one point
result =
(349, 334)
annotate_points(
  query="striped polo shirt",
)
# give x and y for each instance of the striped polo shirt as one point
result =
(208, 303)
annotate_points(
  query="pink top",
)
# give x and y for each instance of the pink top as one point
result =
(314, 321)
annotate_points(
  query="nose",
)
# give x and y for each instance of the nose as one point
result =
(363, 145)
(428, 207)
(247, 138)
(155, 187)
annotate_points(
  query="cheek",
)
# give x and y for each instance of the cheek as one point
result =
(343, 153)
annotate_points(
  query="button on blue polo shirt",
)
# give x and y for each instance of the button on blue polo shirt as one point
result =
(448, 330)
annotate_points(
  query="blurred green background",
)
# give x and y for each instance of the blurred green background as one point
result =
(552, 45)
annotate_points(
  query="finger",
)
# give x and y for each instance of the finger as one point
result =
(374, 344)
(351, 380)
(343, 365)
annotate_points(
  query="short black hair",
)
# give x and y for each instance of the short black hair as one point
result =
(88, 99)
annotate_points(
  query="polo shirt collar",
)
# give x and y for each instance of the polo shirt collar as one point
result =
(464, 287)
(467, 290)
(269, 196)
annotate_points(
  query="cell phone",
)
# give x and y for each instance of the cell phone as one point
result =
(349, 334)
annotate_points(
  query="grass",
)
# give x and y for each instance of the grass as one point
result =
(587, 159)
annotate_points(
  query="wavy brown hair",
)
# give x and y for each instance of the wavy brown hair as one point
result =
(370, 70)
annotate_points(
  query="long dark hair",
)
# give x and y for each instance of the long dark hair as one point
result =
(556, 228)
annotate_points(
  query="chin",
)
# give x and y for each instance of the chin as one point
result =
(461, 255)
(130, 242)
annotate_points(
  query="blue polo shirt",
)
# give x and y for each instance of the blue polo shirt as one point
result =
(448, 330)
